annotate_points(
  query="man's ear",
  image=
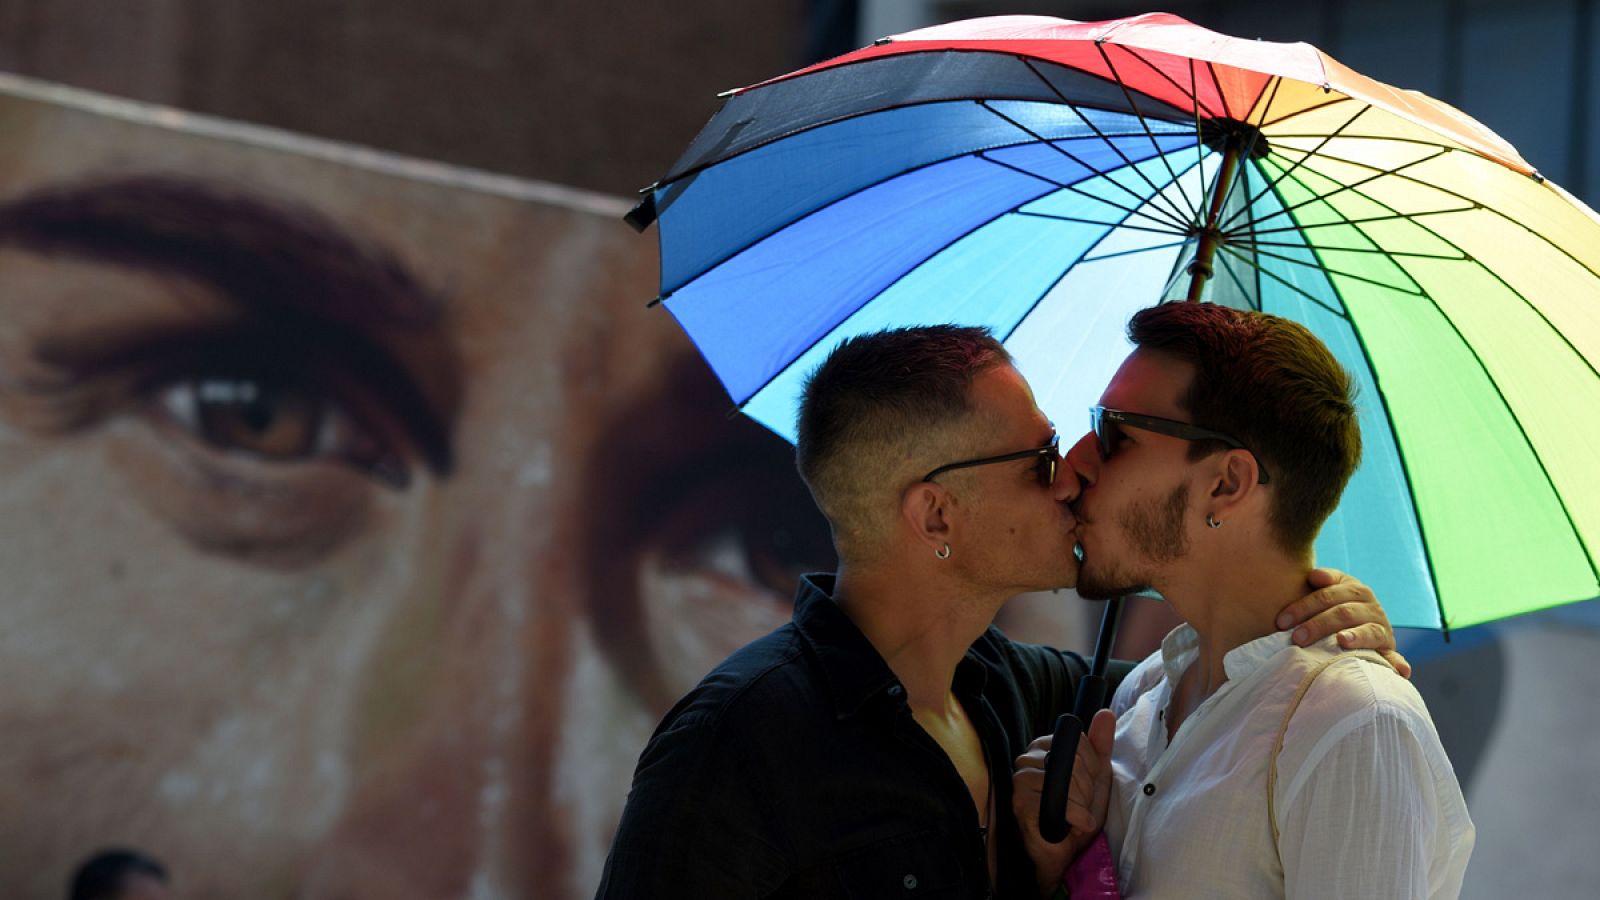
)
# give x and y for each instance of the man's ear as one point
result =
(1234, 482)
(927, 509)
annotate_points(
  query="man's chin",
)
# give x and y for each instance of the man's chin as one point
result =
(1092, 588)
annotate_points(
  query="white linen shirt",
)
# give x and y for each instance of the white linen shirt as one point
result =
(1367, 802)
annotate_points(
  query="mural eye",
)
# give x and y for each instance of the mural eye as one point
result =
(276, 420)
(267, 420)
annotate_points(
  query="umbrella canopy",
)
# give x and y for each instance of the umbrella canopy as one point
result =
(1047, 178)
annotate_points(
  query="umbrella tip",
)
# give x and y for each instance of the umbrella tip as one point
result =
(883, 40)
(642, 215)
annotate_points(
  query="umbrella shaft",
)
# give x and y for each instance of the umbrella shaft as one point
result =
(1211, 235)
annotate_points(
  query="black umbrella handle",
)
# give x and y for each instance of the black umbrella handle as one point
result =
(1057, 777)
(1069, 730)
(1063, 751)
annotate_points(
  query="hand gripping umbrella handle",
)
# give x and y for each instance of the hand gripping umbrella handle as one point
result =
(1069, 729)
(1063, 750)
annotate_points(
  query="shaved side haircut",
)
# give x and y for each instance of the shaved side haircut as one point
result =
(874, 414)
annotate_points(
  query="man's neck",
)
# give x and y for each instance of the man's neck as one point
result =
(1230, 601)
(922, 630)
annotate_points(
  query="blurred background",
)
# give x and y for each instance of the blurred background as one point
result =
(387, 605)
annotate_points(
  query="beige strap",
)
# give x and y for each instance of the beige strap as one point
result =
(1283, 728)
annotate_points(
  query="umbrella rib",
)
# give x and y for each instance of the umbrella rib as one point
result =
(1089, 259)
(1129, 210)
(1221, 94)
(1262, 270)
(1253, 299)
(1110, 229)
(1142, 201)
(1417, 290)
(1257, 269)
(1386, 138)
(802, 127)
(1492, 211)
(1272, 184)
(1342, 98)
(886, 179)
(1322, 197)
(1392, 254)
(1179, 269)
(1120, 225)
(1307, 227)
(1194, 210)
(1064, 273)
(1194, 93)
(1194, 84)
(1456, 195)
(1156, 191)
(1194, 103)
(1467, 257)
(1375, 245)
(1250, 147)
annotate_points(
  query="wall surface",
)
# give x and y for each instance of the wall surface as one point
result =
(600, 95)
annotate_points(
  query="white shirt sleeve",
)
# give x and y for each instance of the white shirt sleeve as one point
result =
(1368, 813)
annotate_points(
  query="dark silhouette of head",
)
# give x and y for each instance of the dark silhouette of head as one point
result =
(105, 875)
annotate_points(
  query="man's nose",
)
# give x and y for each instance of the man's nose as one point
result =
(1066, 486)
(1084, 459)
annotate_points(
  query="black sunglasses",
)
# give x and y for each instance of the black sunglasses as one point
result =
(1049, 456)
(1108, 423)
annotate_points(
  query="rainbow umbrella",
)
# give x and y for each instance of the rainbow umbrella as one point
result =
(1047, 178)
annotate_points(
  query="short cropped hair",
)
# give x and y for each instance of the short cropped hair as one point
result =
(1271, 384)
(878, 407)
(101, 876)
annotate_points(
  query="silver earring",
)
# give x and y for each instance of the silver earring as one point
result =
(1211, 522)
(943, 552)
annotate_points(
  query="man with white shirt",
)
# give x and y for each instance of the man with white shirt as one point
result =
(1245, 766)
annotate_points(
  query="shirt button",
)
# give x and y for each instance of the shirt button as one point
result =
(897, 692)
(910, 881)
(1149, 790)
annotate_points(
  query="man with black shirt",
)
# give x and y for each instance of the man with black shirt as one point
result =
(865, 749)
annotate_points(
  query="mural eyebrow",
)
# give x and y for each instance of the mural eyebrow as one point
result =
(287, 268)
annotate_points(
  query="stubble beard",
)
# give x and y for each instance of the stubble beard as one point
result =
(1155, 535)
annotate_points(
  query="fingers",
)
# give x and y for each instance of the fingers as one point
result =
(1090, 791)
(1027, 783)
(1034, 756)
(1321, 600)
(1027, 780)
(1371, 636)
(1346, 606)
(1321, 578)
(1399, 662)
(1102, 732)
(1318, 624)
(1081, 798)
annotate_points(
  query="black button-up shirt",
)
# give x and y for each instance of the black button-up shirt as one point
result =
(796, 770)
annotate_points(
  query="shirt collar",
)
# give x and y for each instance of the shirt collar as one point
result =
(854, 669)
(1246, 658)
(1178, 650)
(1179, 647)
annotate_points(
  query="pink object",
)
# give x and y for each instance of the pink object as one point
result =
(1093, 875)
